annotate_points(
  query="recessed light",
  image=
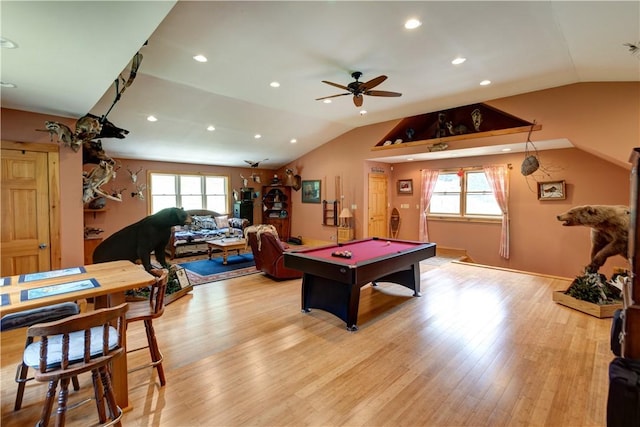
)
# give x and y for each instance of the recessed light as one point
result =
(412, 24)
(7, 85)
(293, 140)
(7, 44)
(152, 118)
(506, 149)
(274, 84)
(327, 101)
(459, 60)
(363, 112)
(410, 159)
(257, 136)
(211, 128)
(200, 58)
(485, 83)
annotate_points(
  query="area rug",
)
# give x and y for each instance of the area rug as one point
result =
(211, 270)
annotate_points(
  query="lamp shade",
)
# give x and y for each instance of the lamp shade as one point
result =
(345, 213)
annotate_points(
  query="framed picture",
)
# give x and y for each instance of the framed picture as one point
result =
(405, 186)
(551, 190)
(311, 191)
(183, 279)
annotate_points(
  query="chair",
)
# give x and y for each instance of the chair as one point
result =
(85, 342)
(269, 256)
(28, 318)
(146, 311)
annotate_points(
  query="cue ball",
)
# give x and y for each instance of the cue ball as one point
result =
(388, 243)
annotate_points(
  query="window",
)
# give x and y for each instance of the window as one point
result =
(189, 192)
(464, 194)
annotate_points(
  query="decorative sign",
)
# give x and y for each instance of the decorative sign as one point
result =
(51, 274)
(63, 288)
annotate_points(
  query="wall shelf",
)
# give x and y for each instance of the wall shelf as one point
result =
(466, 122)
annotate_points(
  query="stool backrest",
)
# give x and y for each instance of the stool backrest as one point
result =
(98, 325)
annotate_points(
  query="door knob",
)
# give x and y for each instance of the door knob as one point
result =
(42, 246)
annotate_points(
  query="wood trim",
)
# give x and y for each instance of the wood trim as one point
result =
(30, 146)
(498, 132)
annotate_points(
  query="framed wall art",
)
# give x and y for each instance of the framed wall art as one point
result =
(183, 279)
(405, 186)
(552, 190)
(311, 191)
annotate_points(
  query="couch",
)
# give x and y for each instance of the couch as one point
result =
(205, 225)
(268, 253)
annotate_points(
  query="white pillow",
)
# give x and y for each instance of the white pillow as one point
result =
(222, 221)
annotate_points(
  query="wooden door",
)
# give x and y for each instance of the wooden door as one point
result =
(29, 218)
(378, 201)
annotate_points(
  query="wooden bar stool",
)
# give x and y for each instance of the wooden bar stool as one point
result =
(146, 311)
(24, 319)
(85, 342)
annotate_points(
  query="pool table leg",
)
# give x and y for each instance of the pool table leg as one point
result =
(337, 298)
(409, 278)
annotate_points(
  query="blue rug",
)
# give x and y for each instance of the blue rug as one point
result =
(211, 270)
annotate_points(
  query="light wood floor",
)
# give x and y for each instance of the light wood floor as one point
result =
(481, 347)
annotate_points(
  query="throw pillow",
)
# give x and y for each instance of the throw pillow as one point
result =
(222, 221)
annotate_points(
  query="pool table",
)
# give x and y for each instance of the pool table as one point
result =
(332, 283)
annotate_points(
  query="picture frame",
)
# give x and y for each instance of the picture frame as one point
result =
(405, 186)
(183, 279)
(552, 190)
(311, 191)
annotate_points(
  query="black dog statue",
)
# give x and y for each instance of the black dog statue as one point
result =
(137, 241)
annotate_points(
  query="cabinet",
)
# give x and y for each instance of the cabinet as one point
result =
(276, 209)
(90, 245)
(244, 209)
(345, 234)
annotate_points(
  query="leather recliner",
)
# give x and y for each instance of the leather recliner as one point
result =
(269, 256)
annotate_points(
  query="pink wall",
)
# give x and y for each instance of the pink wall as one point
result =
(538, 242)
(21, 126)
(132, 209)
(598, 118)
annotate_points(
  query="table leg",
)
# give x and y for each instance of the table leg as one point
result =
(119, 376)
(225, 253)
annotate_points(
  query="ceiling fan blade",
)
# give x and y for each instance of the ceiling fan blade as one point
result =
(373, 83)
(336, 85)
(382, 93)
(357, 100)
(332, 96)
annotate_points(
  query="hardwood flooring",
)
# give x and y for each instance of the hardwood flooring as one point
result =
(481, 347)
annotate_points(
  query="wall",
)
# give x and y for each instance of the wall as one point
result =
(132, 209)
(582, 112)
(21, 126)
(601, 115)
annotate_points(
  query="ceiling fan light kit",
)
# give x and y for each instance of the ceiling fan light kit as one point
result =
(358, 89)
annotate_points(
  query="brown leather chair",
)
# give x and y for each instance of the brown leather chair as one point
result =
(269, 256)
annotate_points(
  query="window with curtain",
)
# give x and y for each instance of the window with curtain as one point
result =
(464, 194)
(189, 191)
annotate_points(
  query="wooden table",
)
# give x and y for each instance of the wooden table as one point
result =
(226, 245)
(113, 279)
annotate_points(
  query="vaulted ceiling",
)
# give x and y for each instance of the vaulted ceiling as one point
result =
(69, 54)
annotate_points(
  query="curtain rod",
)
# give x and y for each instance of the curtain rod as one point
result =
(509, 166)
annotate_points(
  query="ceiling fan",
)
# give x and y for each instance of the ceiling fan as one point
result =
(357, 88)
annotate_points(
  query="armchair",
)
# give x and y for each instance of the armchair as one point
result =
(269, 255)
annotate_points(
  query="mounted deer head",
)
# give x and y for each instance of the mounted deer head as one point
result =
(139, 193)
(134, 175)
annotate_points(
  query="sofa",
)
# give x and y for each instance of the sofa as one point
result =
(268, 252)
(205, 225)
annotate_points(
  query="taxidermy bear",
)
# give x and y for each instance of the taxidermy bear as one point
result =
(137, 241)
(609, 230)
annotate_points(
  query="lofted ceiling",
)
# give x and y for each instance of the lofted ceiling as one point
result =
(69, 54)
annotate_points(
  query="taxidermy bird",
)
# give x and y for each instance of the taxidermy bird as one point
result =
(254, 164)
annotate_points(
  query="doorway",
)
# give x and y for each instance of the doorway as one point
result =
(30, 231)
